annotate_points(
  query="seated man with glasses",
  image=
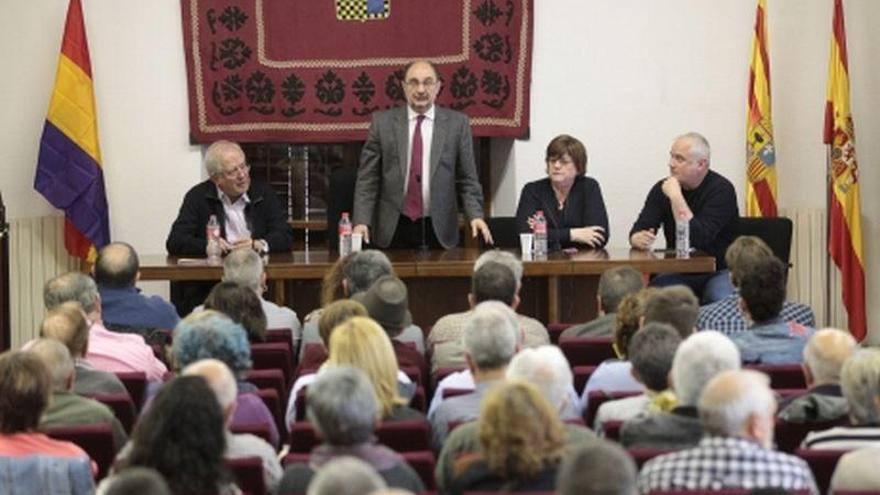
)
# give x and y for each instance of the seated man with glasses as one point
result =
(416, 166)
(249, 212)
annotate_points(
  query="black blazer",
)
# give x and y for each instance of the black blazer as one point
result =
(584, 207)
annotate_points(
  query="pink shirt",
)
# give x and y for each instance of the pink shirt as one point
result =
(115, 352)
(26, 444)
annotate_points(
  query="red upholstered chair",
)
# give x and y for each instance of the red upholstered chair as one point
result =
(643, 455)
(136, 384)
(582, 375)
(402, 436)
(284, 335)
(441, 373)
(599, 397)
(95, 439)
(789, 436)
(303, 438)
(248, 474)
(782, 375)
(423, 463)
(455, 392)
(272, 379)
(273, 355)
(555, 330)
(612, 429)
(273, 403)
(122, 407)
(419, 401)
(587, 351)
(822, 463)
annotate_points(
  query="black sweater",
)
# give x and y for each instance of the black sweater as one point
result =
(583, 207)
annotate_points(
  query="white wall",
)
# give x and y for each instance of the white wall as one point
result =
(625, 76)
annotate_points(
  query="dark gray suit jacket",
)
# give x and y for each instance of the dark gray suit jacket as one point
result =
(379, 193)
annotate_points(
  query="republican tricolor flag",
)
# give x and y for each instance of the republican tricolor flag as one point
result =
(69, 171)
(845, 233)
(760, 149)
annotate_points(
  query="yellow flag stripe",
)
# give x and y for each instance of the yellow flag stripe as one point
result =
(72, 107)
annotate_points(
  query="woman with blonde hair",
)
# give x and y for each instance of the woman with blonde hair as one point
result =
(362, 343)
(522, 439)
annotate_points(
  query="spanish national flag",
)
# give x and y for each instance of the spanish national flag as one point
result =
(760, 149)
(845, 233)
(69, 171)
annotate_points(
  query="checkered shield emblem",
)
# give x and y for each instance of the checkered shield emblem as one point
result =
(363, 10)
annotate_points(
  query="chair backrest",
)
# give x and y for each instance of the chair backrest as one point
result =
(122, 407)
(405, 436)
(822, 463)
(440, 373)
(277, 355)
(555, 330)
(789, 435)
(782, 375)
(587, 351)
(455, 392)
(96, 439)
(136, 384)
(643, 455)
(612, 429)
(423, 463)
(504, 232)
(284, 335)
(269, 379)
(248, 473)
(598, 397)
(257, 429)
(582, 374)
(776, 232)
(270, 397)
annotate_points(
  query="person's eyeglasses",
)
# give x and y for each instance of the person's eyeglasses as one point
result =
(233, 172)
(415, 83)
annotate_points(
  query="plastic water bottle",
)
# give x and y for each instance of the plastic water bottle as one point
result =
(212, 233)
(540, 231)
(682, 237)
(344, 235)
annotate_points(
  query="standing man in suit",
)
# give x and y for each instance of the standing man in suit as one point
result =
(416, 166)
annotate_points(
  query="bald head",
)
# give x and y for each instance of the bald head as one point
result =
(219, 379)
(739, 403)
(57, 359)
(67, 324)
(117, 266)
(825, 353)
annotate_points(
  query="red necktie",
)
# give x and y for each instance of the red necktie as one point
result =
(412, 203)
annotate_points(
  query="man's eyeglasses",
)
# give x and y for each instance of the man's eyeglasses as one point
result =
(415, 83)
(233, 172)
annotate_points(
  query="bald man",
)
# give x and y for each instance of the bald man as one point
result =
(824, 356)
(124, 307)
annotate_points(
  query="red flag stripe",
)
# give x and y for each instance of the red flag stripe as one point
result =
(852, 272)
(765, 198)
(840, 33)
(74, 45)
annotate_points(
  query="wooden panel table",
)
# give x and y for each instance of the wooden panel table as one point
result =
(561, 288)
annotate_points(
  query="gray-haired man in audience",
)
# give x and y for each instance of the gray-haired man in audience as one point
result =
(597, 468)
(614, 285)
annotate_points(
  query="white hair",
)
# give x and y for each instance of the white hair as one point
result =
(213, 160)
(491, 335)
(546, 368)
(731, 398)
(700, 148)
(244, 267)
(825, 353)
(345, 475)
(860, 381)
(57, 359)
(219, 378)
(699, 358)
(504, 258)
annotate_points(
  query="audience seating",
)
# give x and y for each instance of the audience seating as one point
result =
(643, 455)
(414, 374)
(248, 474)
(96, 439)
(284, 335)
(273, 355)
(790, 435)
(257, 429)
(611, 430)
(782, 375)
(136, 384)
(422, 462)
(581, 376)
(273, 403)
(729, 491)
(455, 392)
(122, 407)
(599, 397)
(586, 351)
(419, 400)
(776, 232)
(555, 330)
(269, 379)
(822, 463)
(401, 436)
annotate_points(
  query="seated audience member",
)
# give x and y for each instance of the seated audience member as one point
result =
(824, 355)
(67, 324)
(698, 359)
(222, 383)
(614, 285)
(332, 290)
(675, 305)
(212, 335)
(359, 272)
(183, 437)
(545, 368)
(769, 340)
(736, 411)
(651, 352)
(29, 460)
(571, 202)
(107, 351)
(387, 302)
(490, 341)
(857, 471)
(242, 306)
(342, 406)
(360, 342)
(124, 307)
(136, 480)
(522, 442)
(497, 277)
(65, 407)
(597, 468)
(860, 381)
(725, 315)
(332, 315)
(615, 375)
(702, 197)
(346, 476)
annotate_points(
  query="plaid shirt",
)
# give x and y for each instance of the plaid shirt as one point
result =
(726, 463)
(726, 317)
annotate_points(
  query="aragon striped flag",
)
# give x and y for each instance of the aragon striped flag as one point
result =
(845, 233)
(69, 173)
(760, 149)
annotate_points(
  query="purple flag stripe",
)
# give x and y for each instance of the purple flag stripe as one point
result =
(73, 181)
